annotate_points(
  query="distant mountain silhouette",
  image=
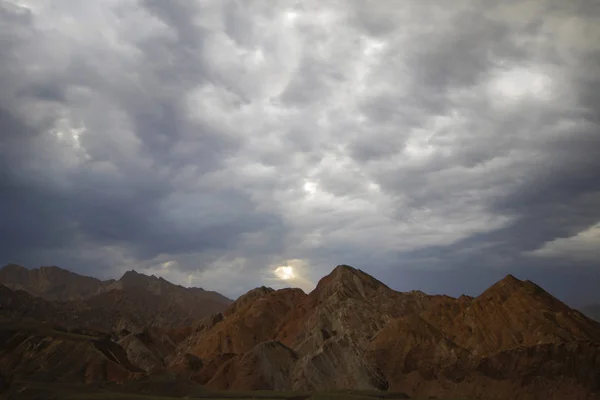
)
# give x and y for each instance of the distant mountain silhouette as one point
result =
(132, 302)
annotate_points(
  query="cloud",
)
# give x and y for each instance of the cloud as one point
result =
(583, 246)
(227, 138)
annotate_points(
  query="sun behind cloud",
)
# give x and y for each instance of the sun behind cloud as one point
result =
(284, 272)
(291, 273)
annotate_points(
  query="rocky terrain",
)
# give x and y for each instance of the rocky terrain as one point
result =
(514, 341)
(133, 302)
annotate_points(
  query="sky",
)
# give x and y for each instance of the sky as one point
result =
(436, 145)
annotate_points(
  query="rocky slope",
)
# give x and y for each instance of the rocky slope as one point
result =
(50, 283)
(38, 352)
(330, 329)
(353, 331)
(321, 336)
(514, 341)
(49, 341)
(131, 303)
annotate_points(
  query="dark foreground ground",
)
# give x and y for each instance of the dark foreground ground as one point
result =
(43, 391)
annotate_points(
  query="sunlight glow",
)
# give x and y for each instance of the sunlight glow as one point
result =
(310, 187)
(284, 273)
(518, 83)
(291, 15)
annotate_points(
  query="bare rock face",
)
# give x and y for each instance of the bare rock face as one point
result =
(37, 356)
(267, 366)
(410, 344)
(348, 302)
(251, 323)
(140, 353)
(513, 313)
(331, 329)
(513, 341)
(339, 364)
(180, 359)
(246, 299)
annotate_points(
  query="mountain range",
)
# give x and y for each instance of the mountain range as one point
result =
(131, 303)
(513, 341)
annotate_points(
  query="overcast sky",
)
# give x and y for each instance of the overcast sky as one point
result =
(437, 145)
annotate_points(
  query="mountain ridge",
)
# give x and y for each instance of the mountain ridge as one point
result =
(514, 340)
(130, 303)
(13, 276)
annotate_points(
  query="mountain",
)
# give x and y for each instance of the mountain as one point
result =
(353, 331)
(50, 283)
(41, 340)
(592, 311)
(150, 301)
(131, 303)
(513, 341)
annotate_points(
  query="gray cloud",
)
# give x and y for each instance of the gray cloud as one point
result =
(435, 147)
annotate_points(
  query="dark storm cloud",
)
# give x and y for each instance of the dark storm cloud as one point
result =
(554, 193)
(110, 198)
(435, 147)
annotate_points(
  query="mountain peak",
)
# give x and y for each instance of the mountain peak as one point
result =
(247, 298)
(348, 280)
(130, 273)
(12, 272)
(49, 282)
(527, 291)
(345, 272)
(13, 267)
(53, 270)
(504, 287)
(133, 277)
(344, 268)
(510, 279)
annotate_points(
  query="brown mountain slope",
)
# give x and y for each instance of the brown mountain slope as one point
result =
(327, 331)
(50, 283)
(513, 341)
(131, 303)
(332, 327)
(513, 313)
(49, 341)
(268, 366)
(150, 349)
(251, 323)
(20, 305)
(209, 301)
(37, 352)
(40, 362)
(348, 302)
(135, 309)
